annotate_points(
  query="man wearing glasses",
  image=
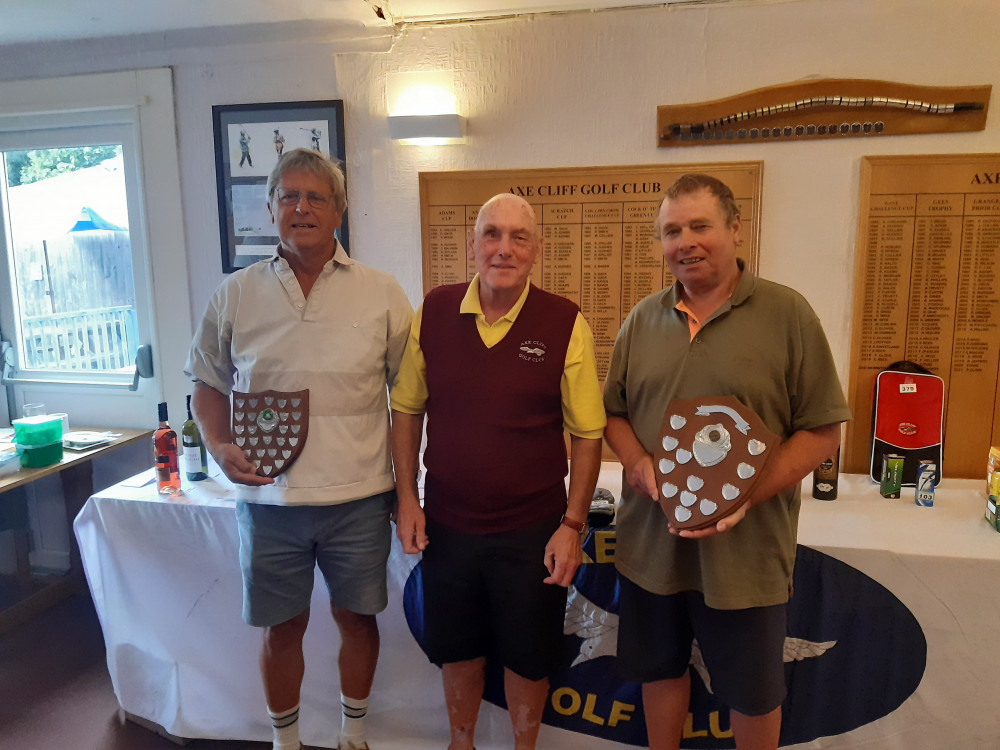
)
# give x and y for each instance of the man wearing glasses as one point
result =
(311, 318)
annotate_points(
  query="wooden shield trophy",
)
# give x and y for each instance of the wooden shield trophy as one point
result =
(270, 427)
(710, 454)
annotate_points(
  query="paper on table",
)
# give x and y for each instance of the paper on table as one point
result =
(84, 439)
(140, 480)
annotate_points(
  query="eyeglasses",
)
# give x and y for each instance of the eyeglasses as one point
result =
(294, 197)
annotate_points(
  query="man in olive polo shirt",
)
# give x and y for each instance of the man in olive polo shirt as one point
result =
(500, 367)
(717, 331)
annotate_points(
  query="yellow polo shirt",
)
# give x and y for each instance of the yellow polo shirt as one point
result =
(582, 402)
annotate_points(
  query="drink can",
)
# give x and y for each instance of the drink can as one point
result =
(993, 487)
(924, 492)
(992, 514)
(892, 475)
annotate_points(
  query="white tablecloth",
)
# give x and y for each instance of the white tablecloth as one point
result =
(165, 578)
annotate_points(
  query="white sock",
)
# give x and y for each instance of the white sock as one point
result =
(286, 728)
(352, 728)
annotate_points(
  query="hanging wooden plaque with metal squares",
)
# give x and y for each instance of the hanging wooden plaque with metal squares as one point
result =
(824, 108)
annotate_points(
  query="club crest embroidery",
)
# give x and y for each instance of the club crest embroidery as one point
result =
(271, 427)
(710, 453)
(532, 351)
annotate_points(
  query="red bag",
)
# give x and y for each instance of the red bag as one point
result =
(907, 419)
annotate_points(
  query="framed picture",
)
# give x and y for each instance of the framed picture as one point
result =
(249, 139)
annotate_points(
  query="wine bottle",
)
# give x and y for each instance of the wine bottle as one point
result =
(168, 478)
(194, 458)
(825, 478)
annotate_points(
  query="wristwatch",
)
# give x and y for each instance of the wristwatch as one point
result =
(580, 527)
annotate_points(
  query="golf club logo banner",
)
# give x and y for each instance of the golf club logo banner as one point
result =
(853, 654)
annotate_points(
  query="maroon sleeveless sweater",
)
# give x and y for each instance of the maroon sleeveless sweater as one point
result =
(495, 455)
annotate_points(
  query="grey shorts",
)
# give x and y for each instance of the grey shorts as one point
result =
(280, 547)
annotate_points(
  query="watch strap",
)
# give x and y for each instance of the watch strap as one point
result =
(578, 526)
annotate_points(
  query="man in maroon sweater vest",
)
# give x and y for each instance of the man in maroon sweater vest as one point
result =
(499, 367)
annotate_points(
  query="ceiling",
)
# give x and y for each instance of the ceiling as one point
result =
(23, 21)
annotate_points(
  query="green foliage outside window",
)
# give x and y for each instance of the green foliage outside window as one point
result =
(24, 167)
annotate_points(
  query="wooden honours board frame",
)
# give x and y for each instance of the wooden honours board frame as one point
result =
(597, 225)
(927, 289)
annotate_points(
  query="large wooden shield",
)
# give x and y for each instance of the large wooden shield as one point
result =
(270, 427)
(710, 454)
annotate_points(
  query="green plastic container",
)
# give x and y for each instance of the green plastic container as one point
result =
(38, 431)
(35, 456)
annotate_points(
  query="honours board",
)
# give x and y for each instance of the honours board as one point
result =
(597, 226)
(926, 289)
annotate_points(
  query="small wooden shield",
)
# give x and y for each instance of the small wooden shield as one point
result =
(710, 453)
(270, 427)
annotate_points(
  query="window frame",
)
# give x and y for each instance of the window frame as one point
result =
(61, 132)
(141, 101)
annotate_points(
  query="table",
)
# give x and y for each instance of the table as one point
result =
(165, 579)
(943, 565)
(76, 477)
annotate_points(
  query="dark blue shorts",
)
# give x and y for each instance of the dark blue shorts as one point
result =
(742, 649)
(484, 596)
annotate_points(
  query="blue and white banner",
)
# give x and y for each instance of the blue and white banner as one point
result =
(841, 624)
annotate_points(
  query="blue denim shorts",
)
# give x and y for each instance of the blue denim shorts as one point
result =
(281, 545)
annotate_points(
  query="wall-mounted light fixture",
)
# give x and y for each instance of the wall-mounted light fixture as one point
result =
(422, 108)
(411, 127)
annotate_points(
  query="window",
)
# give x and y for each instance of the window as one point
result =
(73, 288)
(80, 246)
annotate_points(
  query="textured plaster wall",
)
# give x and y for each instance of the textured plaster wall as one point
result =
(581, 90)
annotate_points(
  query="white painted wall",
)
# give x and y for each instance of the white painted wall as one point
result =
(577, 90)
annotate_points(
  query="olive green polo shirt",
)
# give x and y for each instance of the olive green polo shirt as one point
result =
(766, 347)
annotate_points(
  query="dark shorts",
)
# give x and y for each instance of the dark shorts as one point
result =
(484, 596)
(280, 547)
(742, 649)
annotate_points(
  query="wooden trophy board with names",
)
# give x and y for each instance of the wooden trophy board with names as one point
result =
(927, 289)
(597, 225)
